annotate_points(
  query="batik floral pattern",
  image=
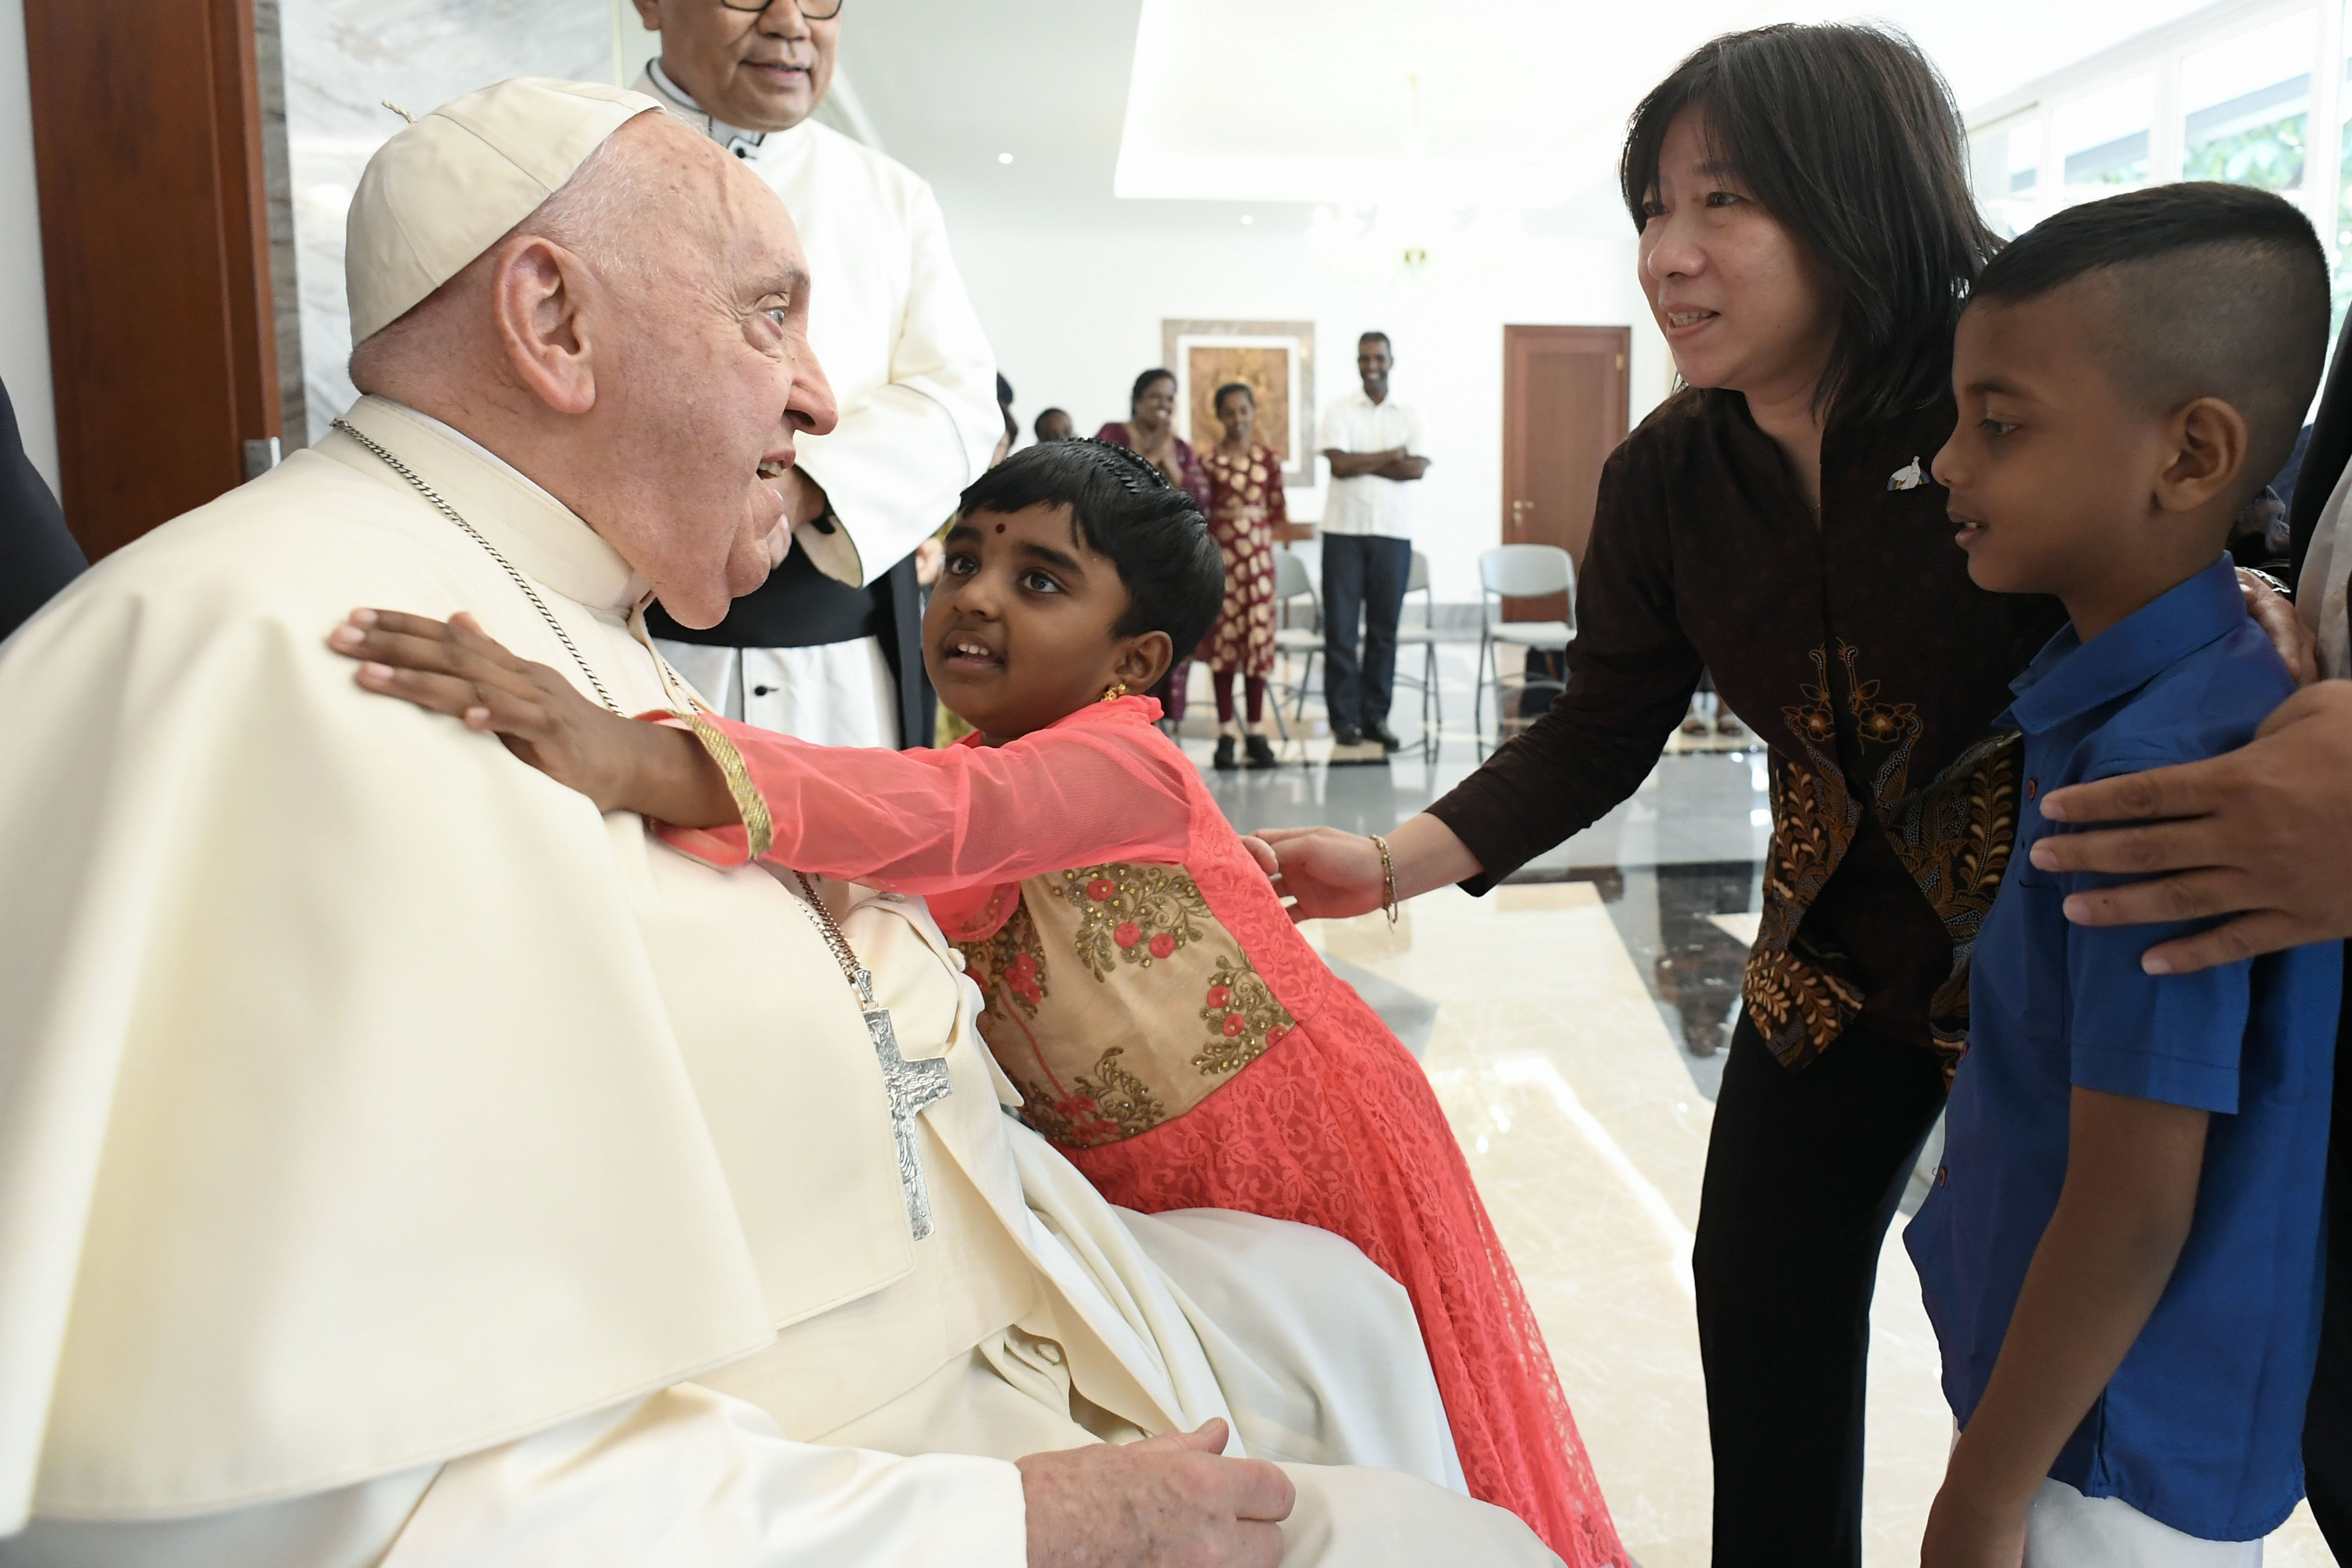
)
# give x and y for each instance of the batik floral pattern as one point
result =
(1953, 837)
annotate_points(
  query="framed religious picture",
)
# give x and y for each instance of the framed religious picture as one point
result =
(1276, 359)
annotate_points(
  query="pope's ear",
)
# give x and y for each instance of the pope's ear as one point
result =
(1143, 660)
(538, 296)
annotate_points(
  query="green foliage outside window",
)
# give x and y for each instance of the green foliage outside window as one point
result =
(2269, 157)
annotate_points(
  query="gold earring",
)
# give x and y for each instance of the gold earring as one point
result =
(1114, 692)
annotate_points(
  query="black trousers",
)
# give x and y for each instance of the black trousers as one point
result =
(2327, 1419)
(1804, 1174)
(1363, 574)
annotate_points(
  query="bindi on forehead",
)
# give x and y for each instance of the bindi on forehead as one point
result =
(1000, 528)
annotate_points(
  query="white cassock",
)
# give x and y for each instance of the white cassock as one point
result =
(915, 381)
(401, 1163)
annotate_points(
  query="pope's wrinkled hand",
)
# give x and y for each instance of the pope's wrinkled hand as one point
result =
(1170, 1502)
(452, 666)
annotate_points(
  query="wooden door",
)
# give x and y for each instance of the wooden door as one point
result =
(1565, 390)
(147, 145)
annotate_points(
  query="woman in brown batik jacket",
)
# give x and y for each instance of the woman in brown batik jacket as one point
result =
(1807, 239)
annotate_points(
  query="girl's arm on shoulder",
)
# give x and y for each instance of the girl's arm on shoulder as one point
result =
(926, 821)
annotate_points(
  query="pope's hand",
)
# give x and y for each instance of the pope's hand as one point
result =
(452, 666)
(1325, 874)
(2263, 833)
(1170, 1501)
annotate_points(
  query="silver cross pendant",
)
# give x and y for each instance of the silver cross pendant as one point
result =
(912, 1086)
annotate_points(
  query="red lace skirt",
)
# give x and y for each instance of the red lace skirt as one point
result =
(1345, 1134)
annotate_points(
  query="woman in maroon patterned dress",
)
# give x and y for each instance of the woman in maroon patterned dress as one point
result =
(1245, 505)
(1150, 432)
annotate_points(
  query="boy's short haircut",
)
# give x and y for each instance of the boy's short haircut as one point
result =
(2212, 290)
(1123, 508)
(1046, 413)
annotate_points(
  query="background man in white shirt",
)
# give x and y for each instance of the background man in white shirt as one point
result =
(1367, 532)
(827, 650)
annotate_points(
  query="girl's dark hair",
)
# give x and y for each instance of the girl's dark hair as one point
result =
(1218, 402)
(1143, 383)
(1848, 136)
(1123, 508)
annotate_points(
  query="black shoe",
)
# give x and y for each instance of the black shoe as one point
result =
(1346, 735)
(1224, 762)
(1378, 731)
(1261, 752)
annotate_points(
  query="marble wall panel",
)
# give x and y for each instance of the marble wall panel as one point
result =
(341, 58)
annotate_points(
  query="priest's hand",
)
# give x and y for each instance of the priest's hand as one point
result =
(2262, 833)
(1170, 1501)
(453, 667)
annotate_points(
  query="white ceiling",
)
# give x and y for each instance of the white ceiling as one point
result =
(1202, 109)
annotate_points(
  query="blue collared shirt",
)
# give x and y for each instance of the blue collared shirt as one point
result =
(2201, 1425)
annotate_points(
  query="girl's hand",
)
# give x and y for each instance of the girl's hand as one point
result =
(1326, 873)
(451, 666)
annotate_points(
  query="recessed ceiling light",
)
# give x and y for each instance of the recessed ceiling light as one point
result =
(1248, 219)
(1005, 157)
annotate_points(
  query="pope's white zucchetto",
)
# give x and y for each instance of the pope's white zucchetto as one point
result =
(446, 188)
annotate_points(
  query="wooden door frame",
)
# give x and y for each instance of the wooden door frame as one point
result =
(1619, 339)
(154, 236)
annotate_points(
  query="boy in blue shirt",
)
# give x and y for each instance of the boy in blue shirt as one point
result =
(2121, 1253)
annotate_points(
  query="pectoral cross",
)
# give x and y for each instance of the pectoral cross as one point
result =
(912, 1086)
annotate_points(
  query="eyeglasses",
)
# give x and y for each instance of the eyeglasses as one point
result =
(814, 10)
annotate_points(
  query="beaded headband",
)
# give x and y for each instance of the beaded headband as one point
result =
(1129, 468)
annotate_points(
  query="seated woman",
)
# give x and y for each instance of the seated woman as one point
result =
(1166, 1024)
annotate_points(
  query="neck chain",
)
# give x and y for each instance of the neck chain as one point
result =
(911, 1085)
(446, 509)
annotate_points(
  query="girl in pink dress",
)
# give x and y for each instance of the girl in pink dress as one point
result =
(1167, 1026)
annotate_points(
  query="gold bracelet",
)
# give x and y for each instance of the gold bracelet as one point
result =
(757, 826)
(1388, 878)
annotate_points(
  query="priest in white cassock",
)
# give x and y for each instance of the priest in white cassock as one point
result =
(827, 649)
(403, 1164)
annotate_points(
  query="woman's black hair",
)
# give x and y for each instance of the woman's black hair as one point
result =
(1218, 402)
(1848, 136)
(1123, 508)
(1143, 383)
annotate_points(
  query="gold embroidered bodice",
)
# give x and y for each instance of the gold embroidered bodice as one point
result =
(1115, 1000)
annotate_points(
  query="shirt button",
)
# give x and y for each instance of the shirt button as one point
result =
(1943, 1175)
(2033, 788)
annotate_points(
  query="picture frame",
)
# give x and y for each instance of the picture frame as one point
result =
(1276, 359)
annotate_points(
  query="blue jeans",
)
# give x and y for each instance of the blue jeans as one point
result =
(1363, 574)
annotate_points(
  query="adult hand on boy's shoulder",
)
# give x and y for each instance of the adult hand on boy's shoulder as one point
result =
(2275, 613)
(1962, 1532)
(2262, 833)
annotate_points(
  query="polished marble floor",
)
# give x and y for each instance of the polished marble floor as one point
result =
(1573, 1024)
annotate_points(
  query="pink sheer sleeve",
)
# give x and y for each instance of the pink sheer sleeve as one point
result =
(964, 816)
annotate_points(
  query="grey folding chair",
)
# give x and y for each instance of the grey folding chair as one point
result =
(1291, 584)
(1519, 572)
(1426, 637)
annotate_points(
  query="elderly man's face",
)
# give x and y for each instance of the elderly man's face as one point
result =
(762, 71)
(715, 378)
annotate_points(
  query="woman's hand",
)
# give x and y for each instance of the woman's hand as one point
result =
(2274, 613)
(1325, 874)
(452, 666)
(1330, 875)
(2263, 833)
